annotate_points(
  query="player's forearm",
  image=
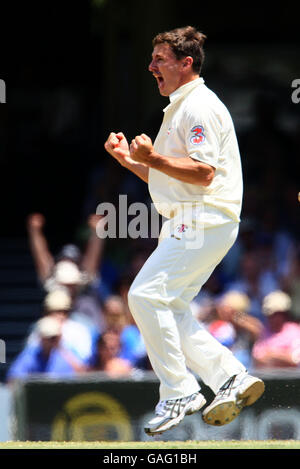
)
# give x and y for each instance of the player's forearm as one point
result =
(139, 169)
(184, 169)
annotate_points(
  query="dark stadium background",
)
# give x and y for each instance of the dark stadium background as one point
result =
(74, 71)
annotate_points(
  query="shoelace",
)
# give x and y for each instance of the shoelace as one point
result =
(172, 405)
(227, 387)
(168, 406)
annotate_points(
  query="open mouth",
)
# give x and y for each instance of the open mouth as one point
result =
(160, 80)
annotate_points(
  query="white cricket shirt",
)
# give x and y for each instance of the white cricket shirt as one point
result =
(197, 124)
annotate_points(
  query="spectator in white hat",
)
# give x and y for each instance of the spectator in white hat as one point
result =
(76, 271)
(47, 356)
(279, 344)
(67, 274)
(76, 336)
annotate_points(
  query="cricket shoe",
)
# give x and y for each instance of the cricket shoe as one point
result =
(169, 413)
(239, 391)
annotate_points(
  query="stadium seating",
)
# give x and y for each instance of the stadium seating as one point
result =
(20, 297)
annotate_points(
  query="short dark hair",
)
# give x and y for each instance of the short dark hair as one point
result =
(186, 41)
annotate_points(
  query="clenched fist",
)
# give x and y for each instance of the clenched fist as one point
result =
(141, 149)
(116, 145)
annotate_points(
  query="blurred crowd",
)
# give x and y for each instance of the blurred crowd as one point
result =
(85, 325)
(251, 303)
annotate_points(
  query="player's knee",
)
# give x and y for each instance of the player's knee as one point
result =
(138, 298)
(134, 303)
(133, 297)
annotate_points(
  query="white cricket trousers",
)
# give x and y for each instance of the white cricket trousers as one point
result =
(159, 300)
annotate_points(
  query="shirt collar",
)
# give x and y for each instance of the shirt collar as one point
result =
(183, 90)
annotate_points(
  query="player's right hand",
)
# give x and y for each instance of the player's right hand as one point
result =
(117, 146)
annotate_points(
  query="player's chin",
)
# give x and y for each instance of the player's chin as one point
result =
(162, 90)
(163, 93)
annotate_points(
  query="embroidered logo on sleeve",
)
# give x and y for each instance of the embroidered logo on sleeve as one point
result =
(198, 136)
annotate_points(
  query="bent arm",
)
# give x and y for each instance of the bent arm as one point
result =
(185, 169)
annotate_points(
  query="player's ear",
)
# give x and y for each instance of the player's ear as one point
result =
(187, 61)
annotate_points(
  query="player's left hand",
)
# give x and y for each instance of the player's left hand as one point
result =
(141, 149)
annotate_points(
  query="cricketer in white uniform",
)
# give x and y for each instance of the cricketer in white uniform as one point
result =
(195, 180)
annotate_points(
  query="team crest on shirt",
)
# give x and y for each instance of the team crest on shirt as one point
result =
(179, 231)
(198, 136)
(181, 228)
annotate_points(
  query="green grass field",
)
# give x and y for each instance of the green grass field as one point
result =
(246, 444)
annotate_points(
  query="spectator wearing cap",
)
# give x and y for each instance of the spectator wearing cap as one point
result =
(66, 274)
(76, 336)
(77, 272)
(279, 344)
(232, 311)
(47, 356)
